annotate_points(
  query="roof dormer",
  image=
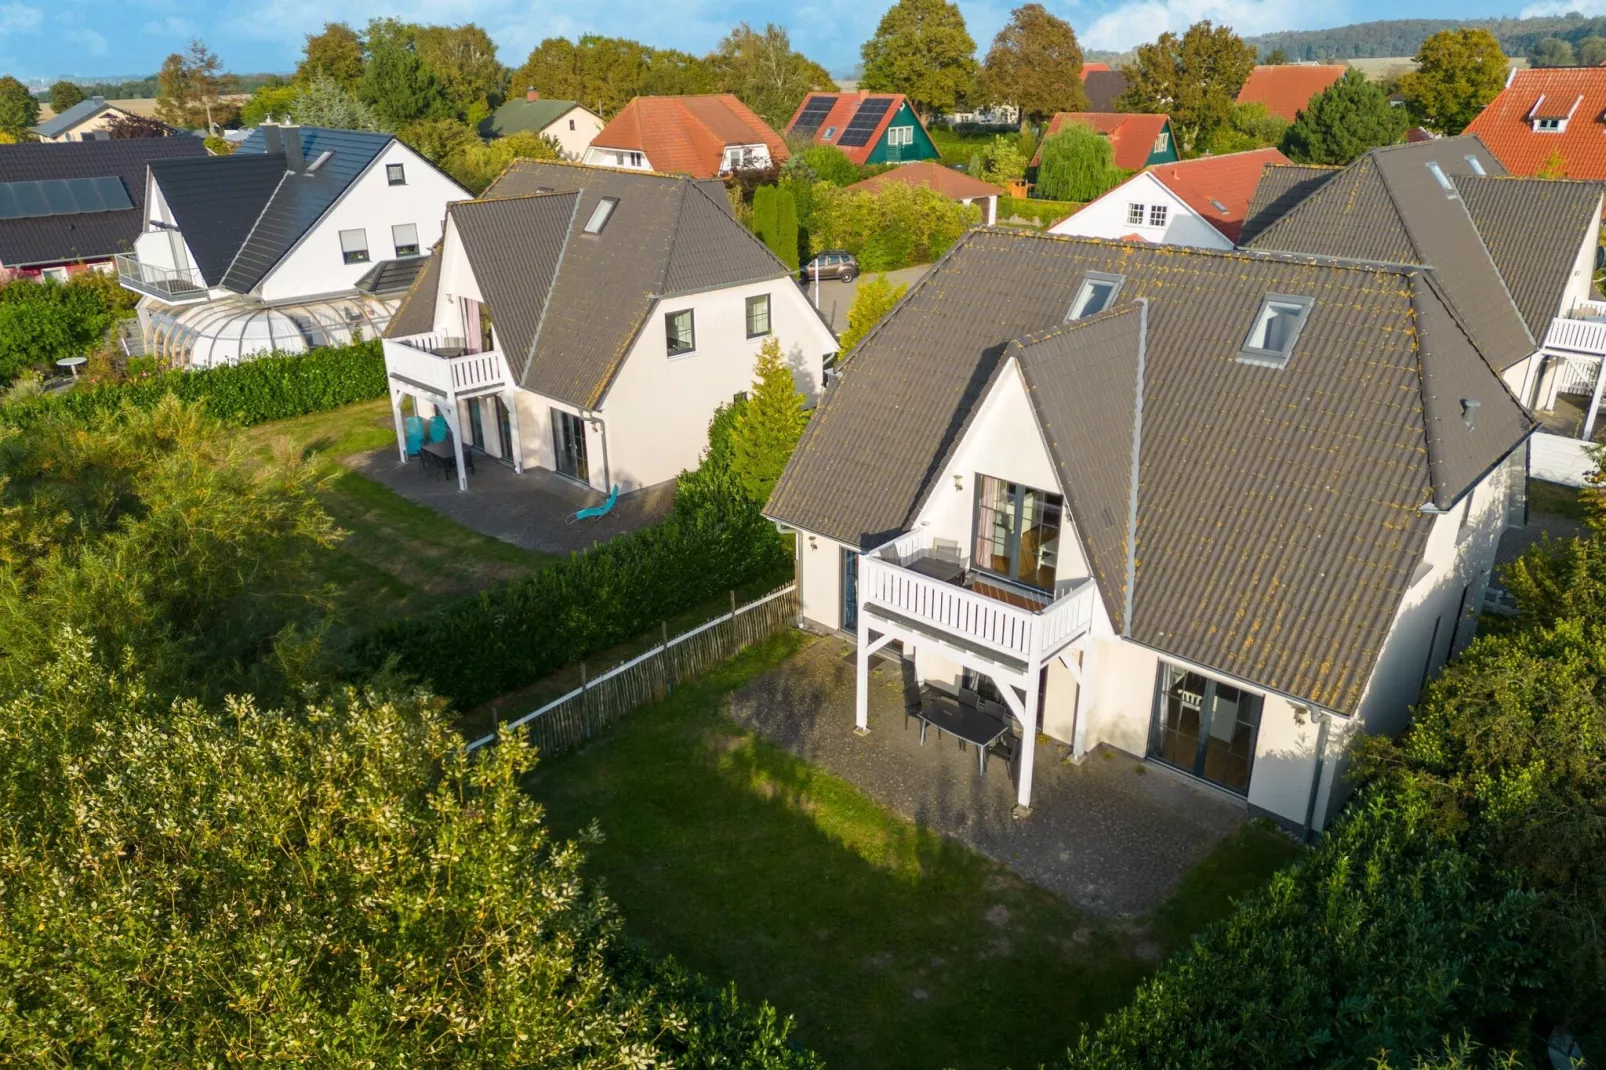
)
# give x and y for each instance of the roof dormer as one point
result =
(1551, 120)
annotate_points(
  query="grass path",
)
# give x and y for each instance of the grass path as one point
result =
(891, 945)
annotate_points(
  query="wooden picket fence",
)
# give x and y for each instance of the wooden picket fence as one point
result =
(573, 718)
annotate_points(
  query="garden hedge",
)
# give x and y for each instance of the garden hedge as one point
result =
(272, 387)
(1044, 213)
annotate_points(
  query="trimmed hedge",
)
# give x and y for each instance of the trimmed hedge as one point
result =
(272, 387)
(1043, 212)
(508, 637)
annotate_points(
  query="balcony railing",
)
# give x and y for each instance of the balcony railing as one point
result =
(164, 284)
(888, 579)
(440, 362)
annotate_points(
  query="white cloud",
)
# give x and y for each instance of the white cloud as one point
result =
(93, 41)
(20, 18)
(1144, 20)
(172, 26)
(1564, 7)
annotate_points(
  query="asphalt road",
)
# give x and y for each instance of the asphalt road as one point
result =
(837, 297)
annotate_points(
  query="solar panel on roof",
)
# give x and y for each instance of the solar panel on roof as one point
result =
(864, 122)
(62, 196)
(814, 113)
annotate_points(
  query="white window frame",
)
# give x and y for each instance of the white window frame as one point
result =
(352, 254)
(1162, 141)
(1158, 213)
(1279, 357)
(769, 323)
(601, 214)
(1135, 214)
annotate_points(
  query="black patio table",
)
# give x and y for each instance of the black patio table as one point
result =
(441, 453)
(968, 723)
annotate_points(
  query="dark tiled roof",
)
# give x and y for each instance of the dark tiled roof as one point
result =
(89, 236)
(525, 116)
(1529, 224)
(391, 277)
(1280, 511)
(1082, 379)
(215, 201)
(1102, 88)
(1388, 206)
(84, 109)
(668, 235)
(1280, 188)
(416, 313)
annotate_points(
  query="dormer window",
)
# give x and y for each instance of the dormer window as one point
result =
(601, 214)
(1098, 293)
(1549, 126)
(1275, 330)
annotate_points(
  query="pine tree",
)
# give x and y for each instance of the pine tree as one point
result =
(765, 214)
(769, 426)
(1343, 121)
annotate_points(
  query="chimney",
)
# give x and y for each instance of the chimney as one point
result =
(270, 138)
(293, 160)
(532, 94)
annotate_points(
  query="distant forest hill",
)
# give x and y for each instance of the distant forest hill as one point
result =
(146, 88)
(1402, 37)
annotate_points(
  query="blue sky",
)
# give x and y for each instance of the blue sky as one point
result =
(46, 38)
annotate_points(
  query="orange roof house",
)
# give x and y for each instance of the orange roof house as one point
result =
(867, 127)
(701, 136)
(1219, 187)
(1545, 114)
(1138, 140)
(955, 185)
(1286, 88)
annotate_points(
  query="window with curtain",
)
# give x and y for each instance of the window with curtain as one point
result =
(680, 332)
(758, 316)
(1017, 531)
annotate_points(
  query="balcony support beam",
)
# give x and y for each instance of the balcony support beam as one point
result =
(1594, 403)
(1028, 740)
(401, 425)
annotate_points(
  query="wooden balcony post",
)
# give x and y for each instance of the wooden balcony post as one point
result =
(1028, 741)
(861, 691)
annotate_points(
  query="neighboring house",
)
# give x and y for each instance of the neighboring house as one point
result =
(569, 123)
(589, 321)
(1286, 88)
(64, 208)
(1198, 202)
(1102, 86)
(992, 115)
(1219, 510)
(867, 127)
(1137, 140)
(87, 120)
(1516, 255)
(303, 237)
(1548, 119)
(701, 136)
(954, 185)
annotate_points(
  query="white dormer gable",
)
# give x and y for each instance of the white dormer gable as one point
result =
(1551, 120)
(1144, 207)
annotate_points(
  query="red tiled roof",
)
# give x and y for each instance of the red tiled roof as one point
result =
(1086, 67)
(1218, 187)
(1286, 88)
(945, 180)
(1506, 125)
(1131, 135)
(842, 112)
(688, 135)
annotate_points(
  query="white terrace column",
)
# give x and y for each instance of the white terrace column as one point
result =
(401, 425)
(1084, 701)
(454, 425)
(1028, 723)
(511, 400)
(1594, 402)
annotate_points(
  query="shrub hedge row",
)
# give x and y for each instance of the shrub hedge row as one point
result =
(510, 636)
(273, 387)
(1042, 212)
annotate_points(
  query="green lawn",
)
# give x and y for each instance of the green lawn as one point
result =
(397, 557)
(1554, 498)
(890, 945)
(956, 147)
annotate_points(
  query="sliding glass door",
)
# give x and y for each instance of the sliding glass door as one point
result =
(1017, 530)
(1205, 727)
(569, 444)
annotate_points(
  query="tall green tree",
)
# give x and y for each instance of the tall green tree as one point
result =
(922, 50)
(274, 100)
(762, 70)
(768, 427)
(1552, 52)
(1592, 51)
(320, 101)
(397, 83)
(19, 111)
(604, 73)
(1342, 121)
(1035, 63)
(1194, 78)
(192, 84)
(1076, 164)
(873, 299)
(336, 54)
(1275, 58)
(1248, 126)
(1458, 72)
(65, 94)
(463, 59)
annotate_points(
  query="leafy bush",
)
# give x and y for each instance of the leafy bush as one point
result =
(1386, 937)
(826, 163)
(273, 387)
(1248, 126)
(43, 322)
(775, 221)
(1044, 212)
(871, 301)
(1002, 162)
(888, 228)
(1076, 164)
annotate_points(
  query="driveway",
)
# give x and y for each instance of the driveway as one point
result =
(1112, 835)
(837, 297)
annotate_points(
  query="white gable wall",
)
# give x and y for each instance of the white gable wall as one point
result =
(629, 159)
(1107, 217)
(574, 131)
(316, 265)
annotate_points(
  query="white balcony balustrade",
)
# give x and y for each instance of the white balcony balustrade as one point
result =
(439, 363)
(165, 284)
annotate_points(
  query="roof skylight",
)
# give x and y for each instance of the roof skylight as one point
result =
(601, 214)
(1097, 293)
(1440, 177)
(1476, 165)
(1275, 330)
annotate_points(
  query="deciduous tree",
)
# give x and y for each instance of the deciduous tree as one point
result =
(768, 427)
(891, 227)
(1592, 51)
(1275, 58)
(1194, 78)
(396, 83)
(922, 50)
(1248, 126)
(336, 54)
(1342, 121)
(874, 298)
(191, 86)
(1002, 161)
(270, 101)
(1458, 72)
(764, 72)
(463, 59)
(126, 127)
(1076, 164)
(1552, 52)
(1035, 63)
(604, 73)
(19, 111)
(65, 94)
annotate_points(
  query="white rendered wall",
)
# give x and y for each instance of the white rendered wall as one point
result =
(658, 407)
(597, 156)
(1583, 273)
(573, 131)
(317, 266)
(1107, 217)
(819, 580)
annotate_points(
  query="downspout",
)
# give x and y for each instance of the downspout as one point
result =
(1323, 726)
(607, 470)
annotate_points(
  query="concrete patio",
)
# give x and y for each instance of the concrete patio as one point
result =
(1112, 835)
(529, 509)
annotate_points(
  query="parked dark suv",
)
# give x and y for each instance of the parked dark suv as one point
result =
(832, 264)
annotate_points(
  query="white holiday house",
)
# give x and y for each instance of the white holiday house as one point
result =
(303, 237)
(589, 321)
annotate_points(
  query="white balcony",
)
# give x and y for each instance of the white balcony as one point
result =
(165, 284)
(918, 581)
(440, 363)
